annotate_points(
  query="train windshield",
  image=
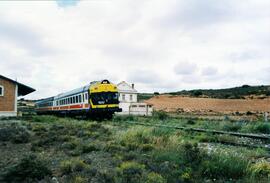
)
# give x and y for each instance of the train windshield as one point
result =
(104, 98)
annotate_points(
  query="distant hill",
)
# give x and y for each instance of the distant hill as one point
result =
(228, 93)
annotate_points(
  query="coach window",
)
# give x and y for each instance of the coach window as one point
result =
(80, 98)
(76, 99)
(73, 100)
(1, 90)
(86, 98)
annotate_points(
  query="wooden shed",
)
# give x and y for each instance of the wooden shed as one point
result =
(9, 91)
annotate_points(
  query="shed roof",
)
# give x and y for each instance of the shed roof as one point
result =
(22, 89)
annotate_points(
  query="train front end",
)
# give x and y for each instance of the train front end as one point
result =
(103, 99)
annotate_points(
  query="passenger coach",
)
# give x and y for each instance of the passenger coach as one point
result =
(97, 99)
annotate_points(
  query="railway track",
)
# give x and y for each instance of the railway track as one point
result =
(265, 139)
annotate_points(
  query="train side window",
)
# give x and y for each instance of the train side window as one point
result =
(76, 99)
(80, 98)
(86, 96)
(73, 98)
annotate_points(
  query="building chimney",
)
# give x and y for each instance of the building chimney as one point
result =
(132, 85)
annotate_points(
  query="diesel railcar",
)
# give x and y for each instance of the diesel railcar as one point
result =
(97, 99)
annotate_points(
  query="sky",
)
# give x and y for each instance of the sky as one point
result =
(160, 45)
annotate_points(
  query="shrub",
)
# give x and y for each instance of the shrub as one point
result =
(124, 118)
(260, 169)
(131, 171)
(79, 179)
(106, 176)
(191, 154)
(221, 165)
(45, 119)
(154, 178)
(134, 137)
(197, 93)
(71, 144)
(160, 115)
(262, 127)
(86, 148)
(29, 167)
(73, 165)
(232, 127)
(14, 133)
(191, 122)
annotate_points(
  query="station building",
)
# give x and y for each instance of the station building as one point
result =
(10, 90)
(128, 98)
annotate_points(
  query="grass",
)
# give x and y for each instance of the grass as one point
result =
(72, 150)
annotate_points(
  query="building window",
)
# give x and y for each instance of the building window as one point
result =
(131, 98)
(1, 90)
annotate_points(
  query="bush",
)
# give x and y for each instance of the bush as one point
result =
(30, 167)
(191, 154)
(160, 115)
(135, 137)
(72, 144)
(232, 127)
(262, 128)
(79, 179)
(117, 118)
(45, 119)
(191, 122)
(15, 134)
(154, 178)
(87, 148)
(131, 172)
(221, 165)
(73, 165)
(260, 169)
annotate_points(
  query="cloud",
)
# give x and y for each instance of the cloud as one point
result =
(23, 37)
(185, 68)
(196, 13)
(143, 76)
(209, 71)
(176, 45)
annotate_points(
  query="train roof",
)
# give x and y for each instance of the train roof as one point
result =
(45, 100)
(72, 92)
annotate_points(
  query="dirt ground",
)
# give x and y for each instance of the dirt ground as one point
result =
(208, 105)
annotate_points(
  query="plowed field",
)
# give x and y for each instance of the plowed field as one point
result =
(188, 104)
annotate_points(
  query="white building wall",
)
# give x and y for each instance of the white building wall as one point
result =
(7, 113)
(128, 97)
